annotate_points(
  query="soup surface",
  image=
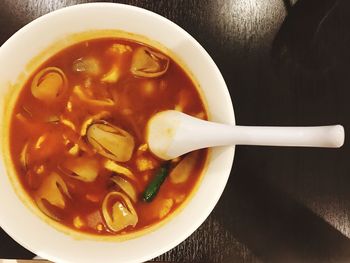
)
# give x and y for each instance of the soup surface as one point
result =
(77, 136)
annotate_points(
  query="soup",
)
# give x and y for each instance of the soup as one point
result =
(77, 136)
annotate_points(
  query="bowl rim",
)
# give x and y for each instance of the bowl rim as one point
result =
(229, 153)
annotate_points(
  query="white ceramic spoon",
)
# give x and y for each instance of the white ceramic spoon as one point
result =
(172, 133)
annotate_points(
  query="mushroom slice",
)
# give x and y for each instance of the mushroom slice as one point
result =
(184, 168)
(78, 91)
(126, 187)
(87, 122)
(90, 66)
(148, 63)
(112, 76)
(52, 190)
(118, 211)
(111, 141)
(49, 84)
(114, 167)
(84, 168)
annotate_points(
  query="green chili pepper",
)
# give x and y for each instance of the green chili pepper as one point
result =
(154, 186)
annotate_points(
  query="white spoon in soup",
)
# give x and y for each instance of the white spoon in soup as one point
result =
(172, 133)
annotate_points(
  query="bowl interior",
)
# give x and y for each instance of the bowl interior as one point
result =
(43, 239)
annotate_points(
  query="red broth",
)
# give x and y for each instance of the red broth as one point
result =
(78, 134)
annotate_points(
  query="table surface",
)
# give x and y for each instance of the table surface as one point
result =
(285, 63)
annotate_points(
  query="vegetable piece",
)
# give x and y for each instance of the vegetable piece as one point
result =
(99, 227)
(112, 76)
(68, 123)
(126, 112)
(180, 198)
(72, 138)
(142, 148)
(118, 49)
(126, 187)
(92, 198)
(23, 157)
(114, 167)
(52, 190)
(78, 91)
(40, 141)
(94, 220)
(53, 119)
(111, 141)
(39, 169)
(144, 164)
(88, 83)
(167, 204)
(149, 87)
(183, 170)
(148, 63)
(74, 150)
(159, 208)
(78, 222)
(122, 213)
(84, 168)
(20, 117)
(183, 101)
(176, 195)
(69, 106)
(46, 146)
(90, 66)
(49, 84)
(154, 186)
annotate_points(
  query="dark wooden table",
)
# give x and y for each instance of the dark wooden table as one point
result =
(285, 63)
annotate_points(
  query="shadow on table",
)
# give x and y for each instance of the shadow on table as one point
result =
(310, 47)
(274, 226)
(10, 249)
(313, 38)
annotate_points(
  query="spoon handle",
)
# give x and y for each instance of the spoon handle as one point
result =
(321, 136)
(210, 134)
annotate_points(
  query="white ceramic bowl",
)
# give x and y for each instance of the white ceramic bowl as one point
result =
(41, 238)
